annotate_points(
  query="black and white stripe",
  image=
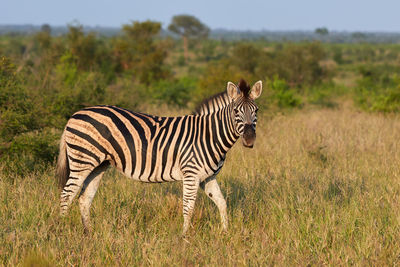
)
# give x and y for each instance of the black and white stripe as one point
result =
(154, 149)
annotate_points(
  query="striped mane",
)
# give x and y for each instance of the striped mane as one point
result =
(212, 104)
(220, 100)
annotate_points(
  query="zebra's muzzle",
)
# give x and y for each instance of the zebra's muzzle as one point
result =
(249, 135)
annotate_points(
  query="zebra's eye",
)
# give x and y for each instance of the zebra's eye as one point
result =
(236, 110)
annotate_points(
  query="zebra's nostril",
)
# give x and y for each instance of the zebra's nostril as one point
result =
(249, 131)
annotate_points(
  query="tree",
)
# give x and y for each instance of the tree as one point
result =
(44, 37)
(46, 28)
(188, 27)
(298, 65)
(137, 50)
(82, 47)
(322, 31)
(246, 56)
(358, 36)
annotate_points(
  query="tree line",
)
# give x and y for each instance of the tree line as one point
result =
(45, 78)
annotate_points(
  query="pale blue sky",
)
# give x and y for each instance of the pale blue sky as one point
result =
(349, 15)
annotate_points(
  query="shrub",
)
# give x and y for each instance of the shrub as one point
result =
(174, 92)
(30, 152)
(18, 112)
(378, 89)
(282, 95)
(382, 100)
(323, 95)
(74, 90)
(246, 57)
(138, 52)
(298, 65)
(215, 78)
(84, 48)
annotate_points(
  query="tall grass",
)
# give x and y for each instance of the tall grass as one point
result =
(320, 187)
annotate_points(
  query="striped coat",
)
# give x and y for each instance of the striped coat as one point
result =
(148, 148)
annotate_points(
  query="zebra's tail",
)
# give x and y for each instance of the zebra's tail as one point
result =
(62, 169)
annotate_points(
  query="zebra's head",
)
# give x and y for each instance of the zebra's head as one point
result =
(245, 109)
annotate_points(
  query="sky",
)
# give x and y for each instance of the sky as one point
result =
(338, 15)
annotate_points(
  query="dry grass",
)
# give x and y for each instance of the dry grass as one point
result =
(321, 187)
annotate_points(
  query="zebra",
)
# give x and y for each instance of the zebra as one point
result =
(153, 149)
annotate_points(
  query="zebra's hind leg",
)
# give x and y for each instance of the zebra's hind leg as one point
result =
(80, 166)
(190, 187)
(72, 187)
(212, 190)
(88, 192)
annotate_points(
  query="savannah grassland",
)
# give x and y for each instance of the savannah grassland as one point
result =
(320, 187)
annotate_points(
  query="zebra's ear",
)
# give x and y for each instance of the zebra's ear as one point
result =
(256, 90)
(232, 90)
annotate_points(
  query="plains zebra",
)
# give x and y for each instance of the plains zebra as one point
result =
(148, 148)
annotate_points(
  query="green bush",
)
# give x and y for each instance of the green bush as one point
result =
(323, 95)
(388, 101)
(215, 78)
(282, 95)
(30, 152)
(181, 61)
(138, 52)
(85, 48)
(174, 92)
(378, 89)
(382, 100)
(208, 50)
(246, 56)
(74, 90)
(298, 65)
(18, 112)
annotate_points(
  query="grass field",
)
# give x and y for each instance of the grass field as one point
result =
(320, 187)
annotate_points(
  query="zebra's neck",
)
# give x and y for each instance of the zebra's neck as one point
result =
(225, 134)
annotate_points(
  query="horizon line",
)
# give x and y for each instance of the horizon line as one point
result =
(212, 29)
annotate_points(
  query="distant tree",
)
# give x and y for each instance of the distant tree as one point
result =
(298, 65)
(208, 50)
(358, 36)
(246, 56)
(188, 27)
(46, 28)
(137, 50)
(82, 47)
(322, 31)
(43, 37)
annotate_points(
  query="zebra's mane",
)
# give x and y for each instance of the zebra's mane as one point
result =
(244, 88)
(211, 104)
(220, 100)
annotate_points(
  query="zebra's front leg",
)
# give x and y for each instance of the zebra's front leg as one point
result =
(212, 190)
(190, 187)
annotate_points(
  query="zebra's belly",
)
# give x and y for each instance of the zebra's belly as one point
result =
(159, 175)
